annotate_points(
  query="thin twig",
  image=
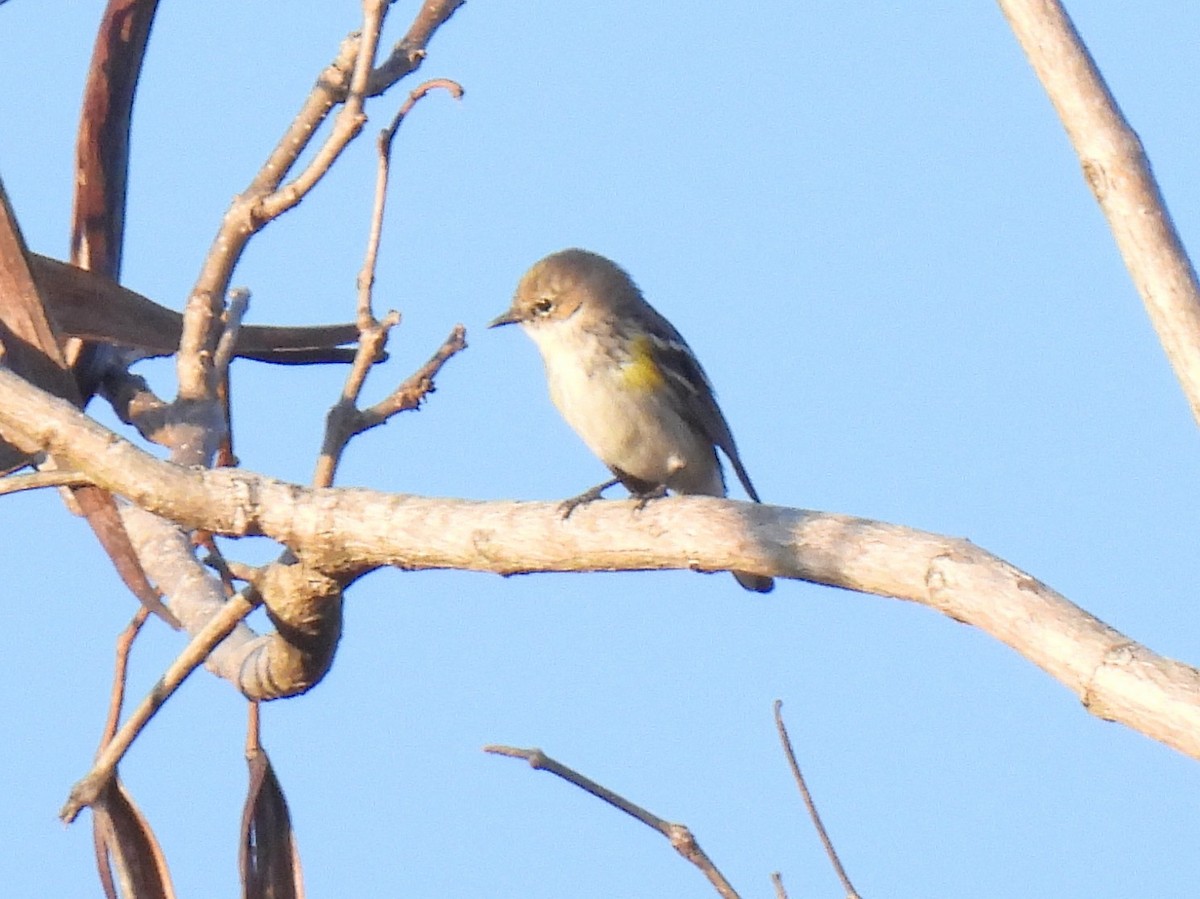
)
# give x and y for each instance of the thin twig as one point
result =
(383, 144)
(777, 882)
(413, 390)
(265, 200)
(810, 805)
(346, 126)
(239, 302)
(117, 695)
(679, 836)
(408, 53)
(216, 561)
(253, 729)
(344, 420)
(86, 790)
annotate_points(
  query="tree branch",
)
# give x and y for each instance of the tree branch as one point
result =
(1118, 172)
(347, 532)
(811, 805)
(678, 835)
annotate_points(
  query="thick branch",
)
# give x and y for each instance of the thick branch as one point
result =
(1117, 171)
(347, 532)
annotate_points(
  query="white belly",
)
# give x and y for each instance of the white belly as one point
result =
(635, 433)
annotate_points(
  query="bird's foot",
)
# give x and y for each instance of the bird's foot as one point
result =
(588, 496)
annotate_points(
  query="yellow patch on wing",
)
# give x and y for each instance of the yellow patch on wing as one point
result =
(641, 372)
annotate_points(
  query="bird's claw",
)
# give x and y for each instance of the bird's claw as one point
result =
(644, 499)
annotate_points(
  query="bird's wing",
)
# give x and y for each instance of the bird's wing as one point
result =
(686, 379)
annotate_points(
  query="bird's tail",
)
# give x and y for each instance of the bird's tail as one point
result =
(756, 583)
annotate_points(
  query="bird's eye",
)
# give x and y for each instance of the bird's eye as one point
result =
(543, 306)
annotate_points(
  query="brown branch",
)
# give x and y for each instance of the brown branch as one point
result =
(116, 699)
(383, 145)
(412, 392)
(85, 792)
(680, 836)
(409, 52)
(345, 420)
(809, 804)
(1118, 172)
(265, 200)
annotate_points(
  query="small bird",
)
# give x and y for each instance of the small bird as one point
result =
(627, 382)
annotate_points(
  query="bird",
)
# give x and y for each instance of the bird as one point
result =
(627, 382)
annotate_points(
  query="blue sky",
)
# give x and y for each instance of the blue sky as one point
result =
(868, 223)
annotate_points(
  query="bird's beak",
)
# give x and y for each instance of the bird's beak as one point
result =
(508, 317)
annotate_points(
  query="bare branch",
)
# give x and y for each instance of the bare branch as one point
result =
(1118, 172)
(409, 52)
(777, 882)
(124, 646)
(679, 836)
(15, 483)
(85, 792)
(346, 126)
(136, 404)
(416, 386)
(304, 606)
(809, 804)
(239, 302)
(345, 80)
(366, 278)
(344, 420)
(347, 532)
